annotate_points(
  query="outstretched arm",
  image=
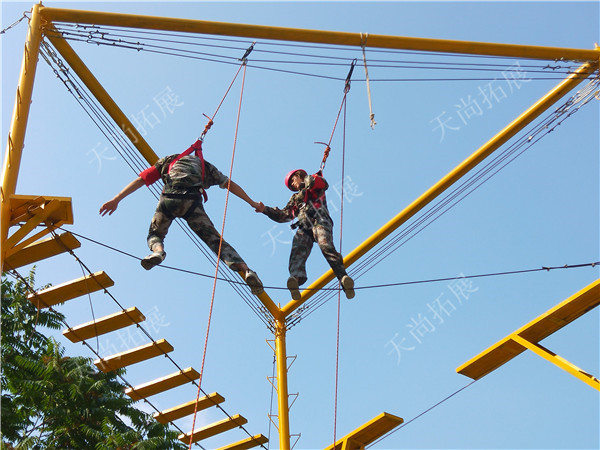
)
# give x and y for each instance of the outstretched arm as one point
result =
(111, 205)
(237, 190)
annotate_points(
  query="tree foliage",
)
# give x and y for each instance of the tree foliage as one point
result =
(53, 401)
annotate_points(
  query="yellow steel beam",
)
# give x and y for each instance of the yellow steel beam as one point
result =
(558, 361)
(101, 95)
(282, 385)
(163, 384)
(458, 172)
(316, 36)
(367, 433)
(16, 136)
(539, 328)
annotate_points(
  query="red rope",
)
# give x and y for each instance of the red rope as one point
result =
(337, 349)
(212, 300)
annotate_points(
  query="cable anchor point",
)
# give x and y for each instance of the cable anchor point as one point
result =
(244, 59)
(347, 85)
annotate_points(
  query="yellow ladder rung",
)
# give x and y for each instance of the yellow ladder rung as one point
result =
(162, 384)
(70, 290)
(42, 250)
(104, 325)
(250, 442)
(177, 412)
(133, 356)
(213, 429)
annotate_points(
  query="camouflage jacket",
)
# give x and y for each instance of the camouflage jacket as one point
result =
(309, 205)
(185, 176)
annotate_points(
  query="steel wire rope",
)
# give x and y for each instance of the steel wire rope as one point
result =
(90, 38)
(339, 48)
(581, 98)
(17, 276)
(373, 286)
(389, 433)
(136, 160)
(477, 67)
(137, 325)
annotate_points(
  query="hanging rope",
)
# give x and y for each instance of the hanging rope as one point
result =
(212, 300)
(337, 118)
(337, 348)
(363, 44)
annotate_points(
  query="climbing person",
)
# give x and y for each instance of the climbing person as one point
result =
(314, 224)
(186, 177)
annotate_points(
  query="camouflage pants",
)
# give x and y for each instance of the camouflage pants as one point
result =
(192, 211)
(302, 244)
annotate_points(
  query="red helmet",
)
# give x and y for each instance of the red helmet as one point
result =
(288, 177)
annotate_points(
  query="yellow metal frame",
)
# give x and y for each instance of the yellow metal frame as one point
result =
(41, 14)
(529, 336)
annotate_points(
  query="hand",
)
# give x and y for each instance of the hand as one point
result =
(109, 207)
(259, 207)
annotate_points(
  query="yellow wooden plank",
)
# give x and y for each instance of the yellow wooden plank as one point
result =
(369, 432)
(104, 325)
(22, 207)
(71, 289)
(133, 356)
(213, 429)
(186, 409)
(536, 330)
(43, 249)
(162, 384)
(251, 442)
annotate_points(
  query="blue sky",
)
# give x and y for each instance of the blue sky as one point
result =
(541, 210)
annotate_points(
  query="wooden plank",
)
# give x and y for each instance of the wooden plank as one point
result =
(369, 432)
(251, 442)
(104, 325)
(213, 429)
(162, 384)
(186, 409)
(133, 356)
(541, 327)
(70, 290)
(42, 250)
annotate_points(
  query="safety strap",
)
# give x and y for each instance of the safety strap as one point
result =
(197, 148)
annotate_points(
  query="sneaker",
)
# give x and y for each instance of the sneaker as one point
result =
(154, 259)
(294, 287)
(254, 282)
(348, 286)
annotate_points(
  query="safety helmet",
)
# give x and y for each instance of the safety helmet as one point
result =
(288, 177)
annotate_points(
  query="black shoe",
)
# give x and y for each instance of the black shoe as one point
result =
(254, 282)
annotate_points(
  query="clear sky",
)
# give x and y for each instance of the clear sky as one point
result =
(399, 345)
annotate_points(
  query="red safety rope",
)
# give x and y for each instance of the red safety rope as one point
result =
(212, 300)
(337, 349)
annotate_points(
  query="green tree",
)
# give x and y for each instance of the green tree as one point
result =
(53, 401)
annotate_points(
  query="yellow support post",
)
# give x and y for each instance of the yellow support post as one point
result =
(282, 385)
(16, 136)
(458, 172)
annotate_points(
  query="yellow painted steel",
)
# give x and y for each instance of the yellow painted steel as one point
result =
(41, 250)
(558, 361)
(282, 385)
(528, 336)
(316, 36)
(70, 290)
(16, 137)
(367, 433)
(458, 172)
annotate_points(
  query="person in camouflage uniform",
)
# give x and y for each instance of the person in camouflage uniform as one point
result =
(186, 177)
(314, 224)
